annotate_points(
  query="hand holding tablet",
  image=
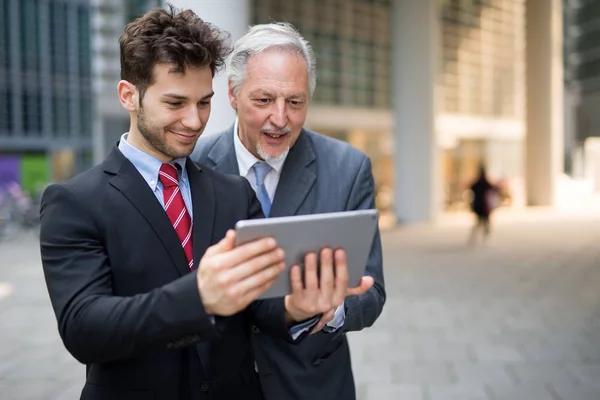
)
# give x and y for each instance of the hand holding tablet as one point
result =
(352, 231)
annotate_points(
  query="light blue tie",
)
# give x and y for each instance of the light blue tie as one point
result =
(261, 170)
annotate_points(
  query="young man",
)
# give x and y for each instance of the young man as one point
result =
(144, 292)
(295, 171)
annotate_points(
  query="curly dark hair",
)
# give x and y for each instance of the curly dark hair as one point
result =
(170, 36)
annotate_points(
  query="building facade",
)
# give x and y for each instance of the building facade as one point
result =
(429, 89)
(45, 90)
(582, 88)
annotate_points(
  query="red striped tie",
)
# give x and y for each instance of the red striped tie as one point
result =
(176, 211)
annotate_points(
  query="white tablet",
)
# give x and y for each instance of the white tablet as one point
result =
(353, 231)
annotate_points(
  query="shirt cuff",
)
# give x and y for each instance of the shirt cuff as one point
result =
(338, 320)
(299, 329)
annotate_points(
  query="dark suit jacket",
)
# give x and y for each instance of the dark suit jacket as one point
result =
(127, 305)
(319, 175)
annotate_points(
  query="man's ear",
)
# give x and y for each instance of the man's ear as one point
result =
(128, 95)
(233, 100)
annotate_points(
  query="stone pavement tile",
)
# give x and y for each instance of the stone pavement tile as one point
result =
(566, 391)
(392, 392)
(429, 373)
(520, 337)
(590, 352)
(443, 321)
(498, 353)
(474, 335)
(461, 392)
(541, 373)
(444, 351)
(42, 361)
(480, 374)
(378, 373)
(551, 352)
(525, 322)
(7, 366)
(585, 372)
(521, 392)
(375, 353)
(29, 389)
(29, 316)
(69, 391)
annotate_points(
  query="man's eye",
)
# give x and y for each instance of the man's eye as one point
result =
(176, 104)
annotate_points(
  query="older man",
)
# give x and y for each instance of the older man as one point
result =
(294, 171)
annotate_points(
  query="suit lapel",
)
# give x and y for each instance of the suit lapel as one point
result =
(223, 154)
(297, 176)
(296, 180)
(203, 200)
(130, 183)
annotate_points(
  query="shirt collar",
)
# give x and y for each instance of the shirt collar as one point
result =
(246, 159)
(147, 165)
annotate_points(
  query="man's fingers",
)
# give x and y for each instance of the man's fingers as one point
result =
(325, 319)
(254, 265)
(296, 280)
(255, 293)
(366, 283)
(341, 277)
(310, 272)
(326, 283)
(258, 282)
(247, 251)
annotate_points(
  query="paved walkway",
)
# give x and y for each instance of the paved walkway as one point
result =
(516, 319)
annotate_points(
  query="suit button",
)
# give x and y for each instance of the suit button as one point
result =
(255, 329)
(204, 386)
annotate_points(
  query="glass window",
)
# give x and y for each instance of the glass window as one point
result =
(4, 34)
(481, 57)
(60, 115)
(85, 111)
(351, 43)
(29, 34)
(84, 41)
(5, 112)
(58, 38)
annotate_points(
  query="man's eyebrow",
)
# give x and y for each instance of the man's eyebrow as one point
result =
(180, 97)
(261, 92)
(298, 96)
(175, 96)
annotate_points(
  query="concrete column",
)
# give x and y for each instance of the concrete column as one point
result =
(544, 143)
(232, 16)
(415, 51)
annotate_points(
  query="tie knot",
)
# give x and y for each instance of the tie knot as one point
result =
(261, 170)
(168, 175)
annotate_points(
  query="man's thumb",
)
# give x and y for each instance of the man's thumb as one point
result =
(225, 244)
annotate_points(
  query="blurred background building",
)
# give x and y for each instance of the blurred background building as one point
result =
(429, 89)
(45, 90)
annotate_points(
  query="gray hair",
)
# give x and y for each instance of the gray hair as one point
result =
(279, 35)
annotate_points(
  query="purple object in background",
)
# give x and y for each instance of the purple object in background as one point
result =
(9, 170)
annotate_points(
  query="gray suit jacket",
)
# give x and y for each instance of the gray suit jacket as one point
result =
(319, 175)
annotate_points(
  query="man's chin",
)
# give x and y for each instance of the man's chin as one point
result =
(272, 153)
(181, 153)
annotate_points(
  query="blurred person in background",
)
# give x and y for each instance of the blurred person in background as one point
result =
(484, 200)
(294, 171)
